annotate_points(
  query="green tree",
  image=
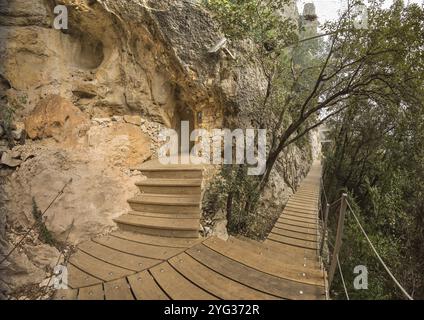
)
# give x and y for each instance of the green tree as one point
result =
(377, 70)
(377, 155)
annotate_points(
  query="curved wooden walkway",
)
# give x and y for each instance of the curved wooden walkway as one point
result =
(127, 265)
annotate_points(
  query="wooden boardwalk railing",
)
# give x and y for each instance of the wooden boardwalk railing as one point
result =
(126, 265)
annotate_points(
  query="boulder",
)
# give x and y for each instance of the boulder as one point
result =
(220, 229)
(18, 134)
(136, 120)
(118, 118)
(20, 271)
(43, 255)
(3, 149)
(101, 121)
(57, 118)
(8, 159)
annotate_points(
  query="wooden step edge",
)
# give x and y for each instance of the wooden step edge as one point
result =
(168, 195)
(170, 168)
(171, 226)
(174, 216)
(153, 182)
(139, 200)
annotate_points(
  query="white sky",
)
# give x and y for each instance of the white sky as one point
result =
(328, 9)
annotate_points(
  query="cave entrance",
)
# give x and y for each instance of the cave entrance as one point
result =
(184, 113)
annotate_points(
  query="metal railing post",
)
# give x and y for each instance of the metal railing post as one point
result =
(324, 229)
(339, 235)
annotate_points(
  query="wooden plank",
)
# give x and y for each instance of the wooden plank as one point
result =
(65, 294)
(299, 196)
(292, 255)
(295, 235)
(301, 209)
(264, 282)
(176, 286)
(117, 258)
(304, 193)
(303, 204)
(78, 278)
(302, 253)
(92, 293)
(263, 264)
(312, 192)
(299, 193)
(213, 282)
(294, 242)
(313, 220)
(157, 241)
(297, 223)
(300, 213)
(118, 290)
(288, 227)
(301, 219)
(139, 249)
(98, 268)
(306, 205)
(310, 189)
(144, 287)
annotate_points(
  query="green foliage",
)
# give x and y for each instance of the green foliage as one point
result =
(7, 114)
(44, 234)
(261, 21)
(369, 85)
(378, 154)
(8, 110)
(229, 192)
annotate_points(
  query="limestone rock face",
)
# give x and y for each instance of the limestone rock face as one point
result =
(92, 100)
(20, 272)
(120, 144)
(97, 193)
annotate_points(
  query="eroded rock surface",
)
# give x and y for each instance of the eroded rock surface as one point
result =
(92, 99)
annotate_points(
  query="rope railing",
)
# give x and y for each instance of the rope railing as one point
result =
(378, 255)
(342, 278)
(341, 274)
(59, 257)
(335, 262)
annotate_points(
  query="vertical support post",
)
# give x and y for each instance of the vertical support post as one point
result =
(338, 244)
(324, 229)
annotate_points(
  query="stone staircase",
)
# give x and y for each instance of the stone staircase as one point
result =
(169, 203)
